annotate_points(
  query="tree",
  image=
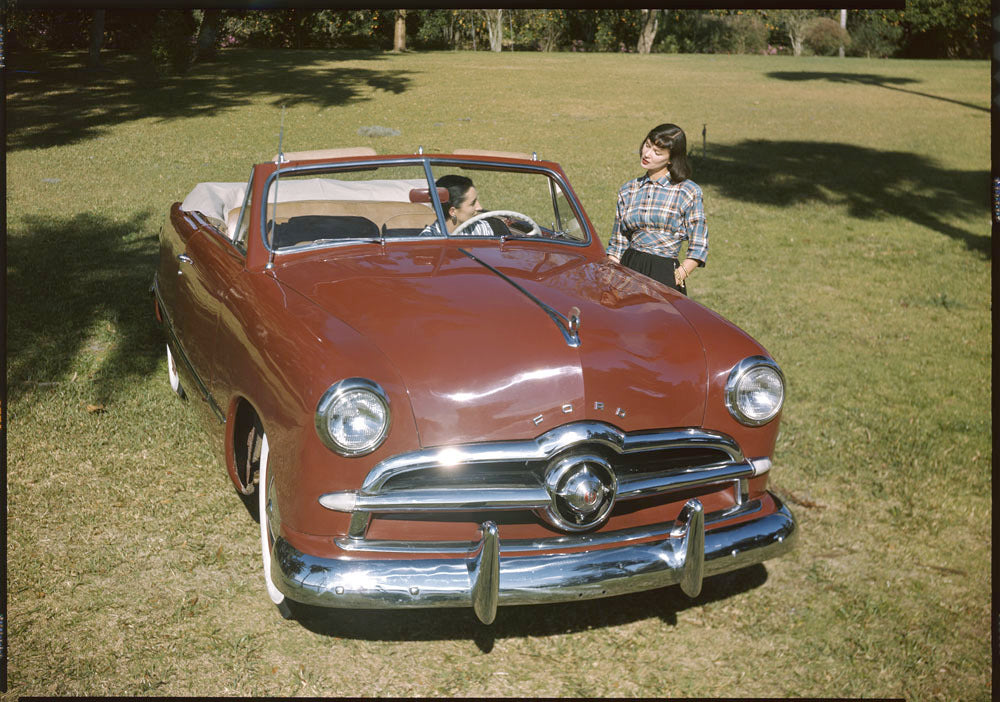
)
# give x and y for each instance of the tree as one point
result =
(208, 35)
(494, 27)
(172, 42)
(649, 24)
(825, 36)
(96, 39)
(843, 25)
(399, 34)
(949, 28)
(875, 33)
(436, 29)
(795, 24)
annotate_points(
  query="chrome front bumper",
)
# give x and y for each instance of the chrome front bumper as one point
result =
(483, 578)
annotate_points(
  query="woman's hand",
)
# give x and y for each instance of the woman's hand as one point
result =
(683, 271)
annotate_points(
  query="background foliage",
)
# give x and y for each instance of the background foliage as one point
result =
(926, 28)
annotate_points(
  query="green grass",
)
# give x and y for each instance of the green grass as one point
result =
(849, 217)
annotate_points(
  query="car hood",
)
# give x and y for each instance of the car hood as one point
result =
(482, 360)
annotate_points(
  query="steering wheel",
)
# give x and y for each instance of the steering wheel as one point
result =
(535, 229)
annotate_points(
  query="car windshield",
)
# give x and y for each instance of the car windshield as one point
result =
(314, 206)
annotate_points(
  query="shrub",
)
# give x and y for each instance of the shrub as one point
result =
(705, 33)
(876, 40)
(667, 45)
(825, 36)
(172, 45)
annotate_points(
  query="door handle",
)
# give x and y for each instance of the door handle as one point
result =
(184, 258)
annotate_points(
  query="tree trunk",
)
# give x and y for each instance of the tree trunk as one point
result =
(795, 23)
(208, 35)
(494, 26)
(96, 39)
(399, 36)
(843, 25)
(796, 42)
(647, 33)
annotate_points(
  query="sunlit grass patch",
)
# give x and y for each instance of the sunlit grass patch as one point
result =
(849, 234)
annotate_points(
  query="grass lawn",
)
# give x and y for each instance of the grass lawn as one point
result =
(848, 204)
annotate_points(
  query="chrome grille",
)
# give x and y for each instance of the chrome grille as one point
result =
(511, 475)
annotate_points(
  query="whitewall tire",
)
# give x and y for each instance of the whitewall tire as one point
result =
(175, 379)
(277, 597)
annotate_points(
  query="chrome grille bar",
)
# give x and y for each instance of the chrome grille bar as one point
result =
(646, 485)
(595, 540)
(544, 447)
(464, 499)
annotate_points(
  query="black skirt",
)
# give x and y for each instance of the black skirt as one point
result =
(656, 267)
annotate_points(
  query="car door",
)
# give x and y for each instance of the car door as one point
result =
(207, 267)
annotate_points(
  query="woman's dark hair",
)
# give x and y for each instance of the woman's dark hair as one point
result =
(672, 138)
(457, 185)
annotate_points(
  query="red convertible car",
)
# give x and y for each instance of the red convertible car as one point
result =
(432, 416)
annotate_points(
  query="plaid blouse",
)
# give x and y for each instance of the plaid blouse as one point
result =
(657, 217)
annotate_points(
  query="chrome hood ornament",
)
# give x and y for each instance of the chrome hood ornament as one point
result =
(574, 319)
(567, 325)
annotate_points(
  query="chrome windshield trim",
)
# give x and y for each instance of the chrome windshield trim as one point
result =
(342, 166)
(545, 446)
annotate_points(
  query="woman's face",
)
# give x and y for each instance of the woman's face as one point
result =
(468, 208)
(653, 158)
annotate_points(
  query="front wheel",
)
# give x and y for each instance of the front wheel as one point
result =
(265, 490)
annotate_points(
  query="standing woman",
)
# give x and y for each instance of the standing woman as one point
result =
(659, 211)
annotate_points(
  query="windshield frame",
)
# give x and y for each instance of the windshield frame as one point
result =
(428, 162)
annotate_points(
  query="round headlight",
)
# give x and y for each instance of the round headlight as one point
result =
(352, 417)
(755, 391)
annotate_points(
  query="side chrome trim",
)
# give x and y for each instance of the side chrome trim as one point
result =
(467, 580)
(183, 357)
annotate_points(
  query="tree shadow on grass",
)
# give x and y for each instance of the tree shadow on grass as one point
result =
(526, 620)
(78, 296)
(879, 81)
(871, 184)
(56, 101)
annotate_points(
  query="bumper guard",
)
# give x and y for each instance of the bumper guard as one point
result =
(685, 554)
